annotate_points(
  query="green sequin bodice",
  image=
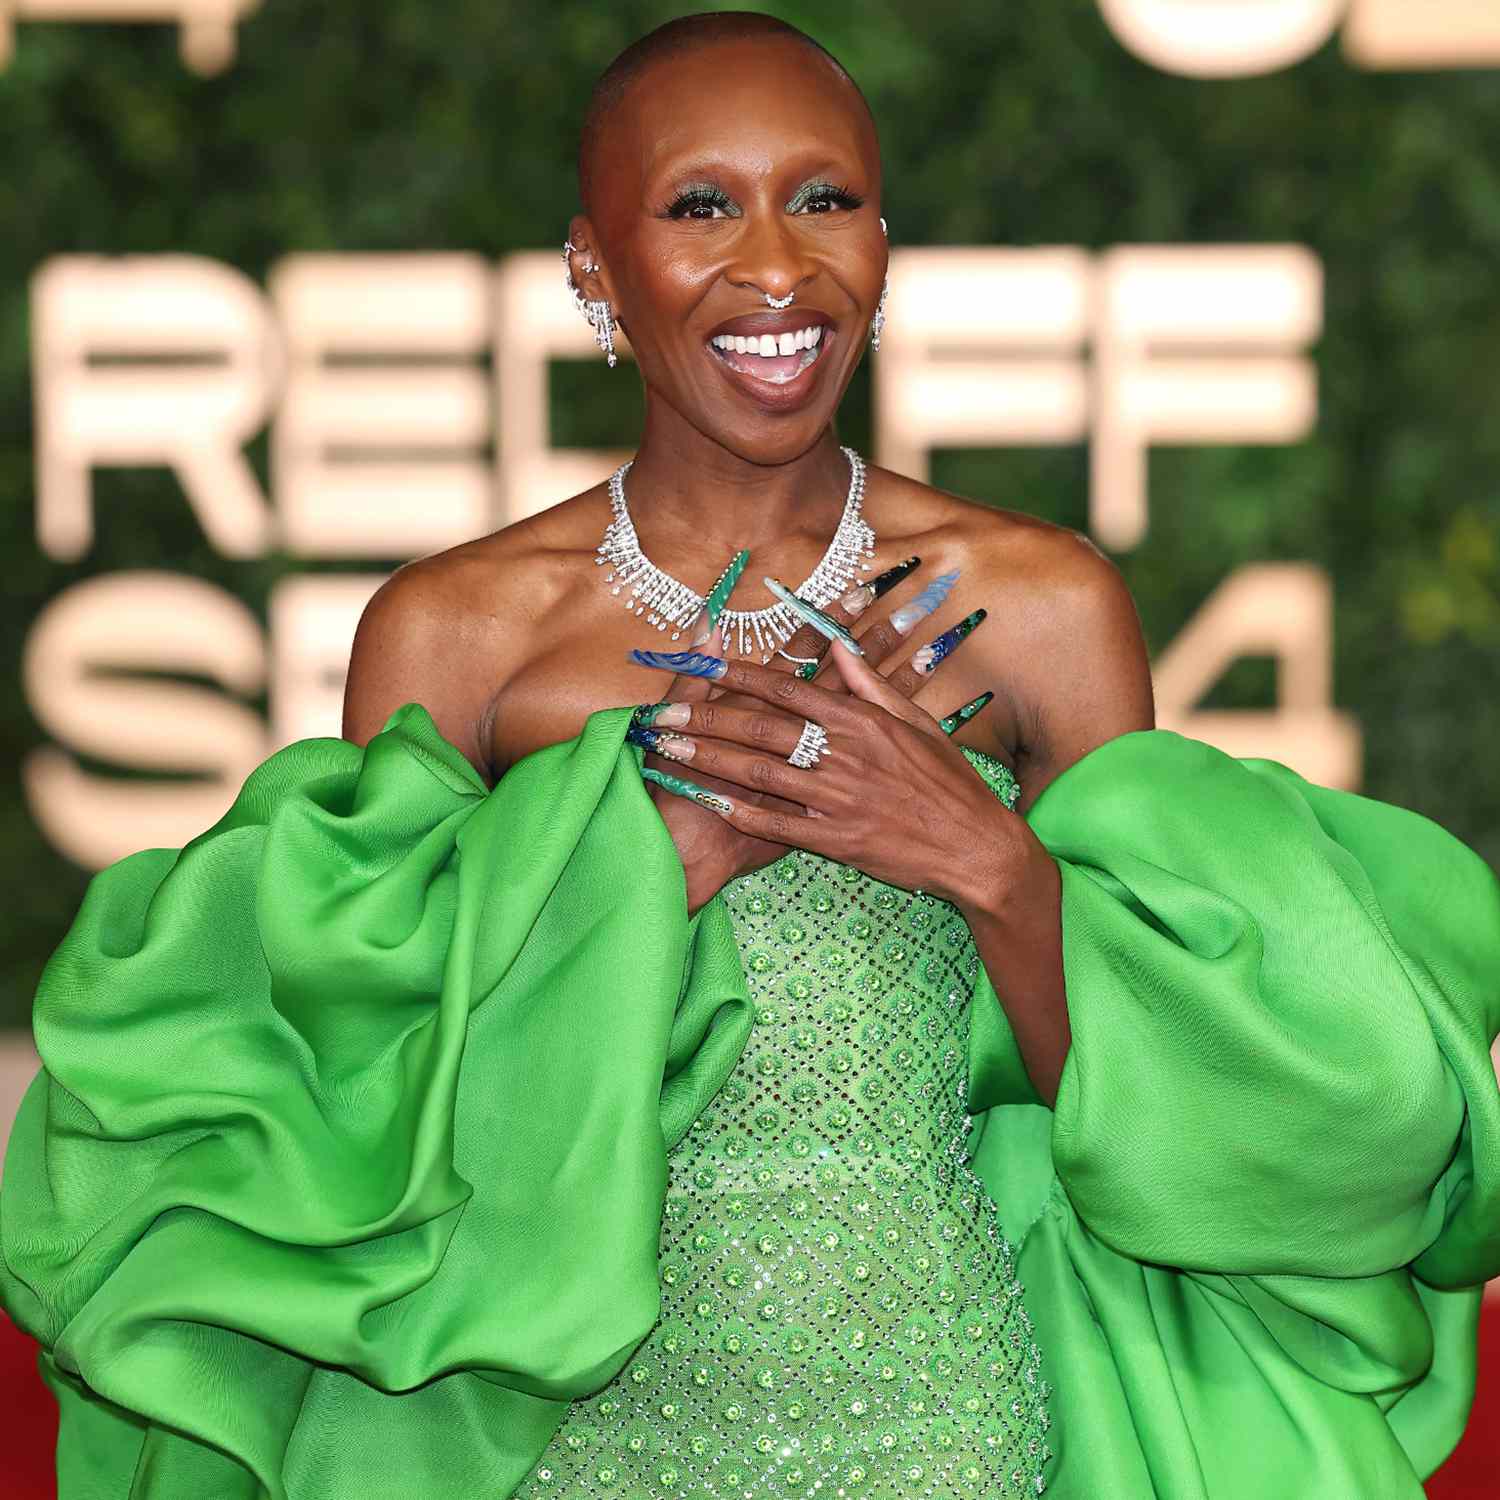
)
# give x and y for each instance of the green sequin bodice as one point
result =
(840, 1315)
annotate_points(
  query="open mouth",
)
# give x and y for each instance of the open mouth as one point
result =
(772, 358)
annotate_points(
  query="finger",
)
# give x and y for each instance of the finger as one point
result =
(832, 710)
(775, 825)
(706, 782)
(867, 685)
(788, 694)
(886, 637)
(910, 676)
(950, 724)
(803, 653)
(758, 728)
(766, 775)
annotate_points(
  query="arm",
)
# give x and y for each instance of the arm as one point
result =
(895, 797)
(1080, 677)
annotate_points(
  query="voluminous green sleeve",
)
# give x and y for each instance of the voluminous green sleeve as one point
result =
(344, 1169)
(1276, 1142)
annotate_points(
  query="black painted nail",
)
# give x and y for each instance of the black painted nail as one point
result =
(885, 582)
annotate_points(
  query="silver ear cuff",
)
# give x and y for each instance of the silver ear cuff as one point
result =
(597, 312)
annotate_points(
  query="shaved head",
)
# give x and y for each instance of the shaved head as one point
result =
(675, 38)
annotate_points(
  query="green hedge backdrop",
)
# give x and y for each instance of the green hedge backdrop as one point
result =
(409, 125)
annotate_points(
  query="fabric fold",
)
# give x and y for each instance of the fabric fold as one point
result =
(1275, 1154)
(345, 1167)
(353, 1120)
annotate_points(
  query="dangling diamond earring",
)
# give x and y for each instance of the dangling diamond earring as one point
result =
(597, 312)
(877, 323)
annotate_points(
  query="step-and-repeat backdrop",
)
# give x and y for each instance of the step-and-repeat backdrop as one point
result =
(1212, 280)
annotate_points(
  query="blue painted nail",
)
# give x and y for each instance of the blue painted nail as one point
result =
(685, 663)
(926, 660)
(906, 618)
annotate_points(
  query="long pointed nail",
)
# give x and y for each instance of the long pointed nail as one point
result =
(858, 599)
(685, 663)
(646, 714)
(926, 660)
(885, 582)
(690, 789)
(673, 746)
(824, 624)
(720, 592)
(906, 619)
(673, 715)
(961, 716)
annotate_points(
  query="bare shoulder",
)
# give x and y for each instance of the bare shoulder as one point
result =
(448, 630)
(1035, 567)
(1070, 651)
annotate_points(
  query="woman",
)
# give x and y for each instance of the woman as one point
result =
(730, 166)
(528, 1134)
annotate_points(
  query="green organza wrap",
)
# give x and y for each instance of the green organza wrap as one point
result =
(345, 1167)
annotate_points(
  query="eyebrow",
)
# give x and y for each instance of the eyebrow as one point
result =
(696, 169)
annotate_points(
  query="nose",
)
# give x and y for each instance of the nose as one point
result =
(770, 256)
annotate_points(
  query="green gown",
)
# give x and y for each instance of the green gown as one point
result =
(364, 1158)
(840, 1309)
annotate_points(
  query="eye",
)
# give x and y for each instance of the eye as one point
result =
(705, 202)
(824, 198)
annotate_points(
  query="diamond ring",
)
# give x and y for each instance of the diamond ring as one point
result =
(810, 746)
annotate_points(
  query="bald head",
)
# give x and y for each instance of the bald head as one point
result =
(675, 39)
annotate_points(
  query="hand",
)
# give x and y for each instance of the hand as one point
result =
(713, 851)
(891, 794)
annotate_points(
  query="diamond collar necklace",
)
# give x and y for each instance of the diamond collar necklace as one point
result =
(666, 602)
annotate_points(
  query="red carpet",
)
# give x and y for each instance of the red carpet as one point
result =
(28, 1424)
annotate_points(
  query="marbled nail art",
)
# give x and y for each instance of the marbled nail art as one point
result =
(961, 716)
(824, 624)
(883, 583)
(685, 663)
(690, 789)
(645, 715)
(718, 595)
(926, 660)
(931, 598)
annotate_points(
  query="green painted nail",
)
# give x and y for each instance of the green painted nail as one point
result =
(961, 716)
(689, 789)
(720, 592)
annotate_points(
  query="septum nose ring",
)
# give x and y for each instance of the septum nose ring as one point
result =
(779, 302)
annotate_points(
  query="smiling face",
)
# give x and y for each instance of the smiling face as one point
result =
(740, 170)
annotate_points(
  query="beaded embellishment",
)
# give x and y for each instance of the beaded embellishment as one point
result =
(840, 1310)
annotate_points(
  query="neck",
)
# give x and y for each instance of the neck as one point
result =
(685, 490)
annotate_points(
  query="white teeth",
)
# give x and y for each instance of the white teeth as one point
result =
(770, 345)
